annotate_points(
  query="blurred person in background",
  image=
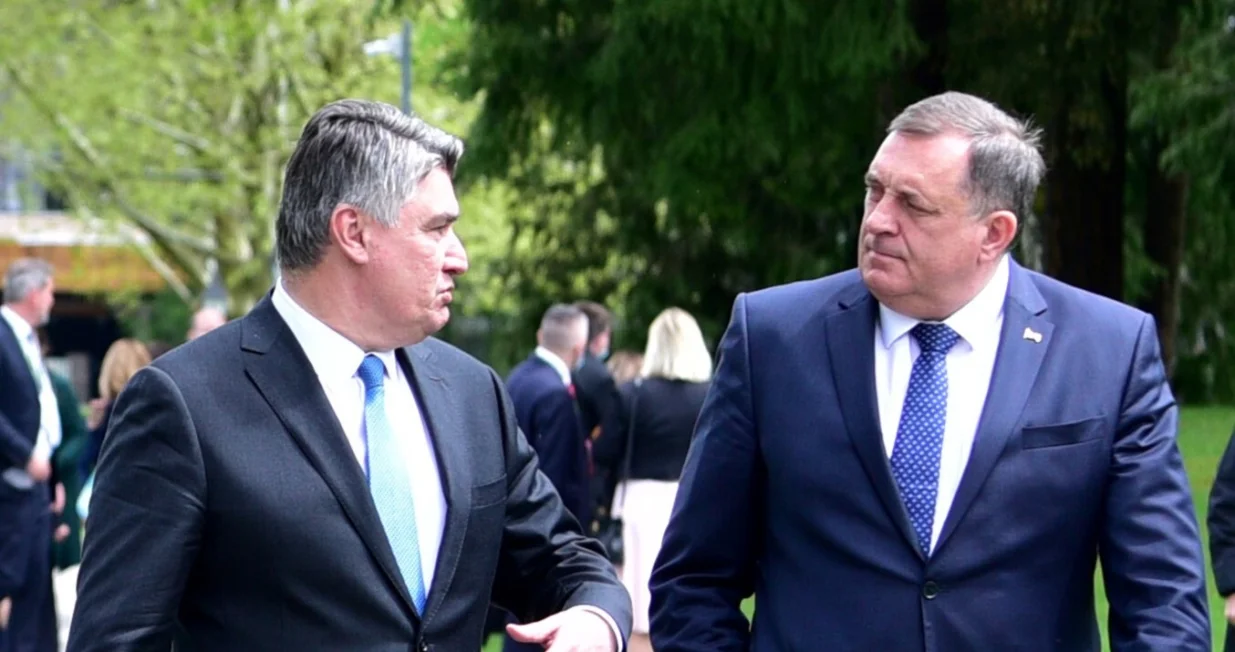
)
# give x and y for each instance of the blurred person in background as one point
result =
(124, 358)
(30, 434)
(544, 398)
(205, 320)
(662, 405)
(600, 406)
(66, 539)
(1221, 522)
(624, 366)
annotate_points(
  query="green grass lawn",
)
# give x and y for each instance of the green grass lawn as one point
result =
(1203, 433)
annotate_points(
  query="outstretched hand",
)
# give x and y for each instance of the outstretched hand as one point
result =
(573, 630)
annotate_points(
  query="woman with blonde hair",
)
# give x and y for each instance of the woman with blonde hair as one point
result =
(124, 358)
(661, 406)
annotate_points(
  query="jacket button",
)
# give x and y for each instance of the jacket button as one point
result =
(424, 647)
(930, 590)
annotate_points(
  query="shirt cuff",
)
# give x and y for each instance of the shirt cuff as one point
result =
(617, 633)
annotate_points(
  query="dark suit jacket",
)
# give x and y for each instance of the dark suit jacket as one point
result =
(20, 511)
(600, 403)
(73, 435)
(788, 494)
(1222, 529)
(548, 418)
(228, 499)
(600, 407)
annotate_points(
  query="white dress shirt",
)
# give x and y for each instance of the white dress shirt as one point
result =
(336, 360)
(969, 365)
(49, 410)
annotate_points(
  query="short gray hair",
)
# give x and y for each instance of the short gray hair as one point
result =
(558, 326)
(25, 275)
(1005, 158)
(365, 154)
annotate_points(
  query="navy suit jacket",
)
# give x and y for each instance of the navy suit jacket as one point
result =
(788, 494)
(549, 419)
(19, 428)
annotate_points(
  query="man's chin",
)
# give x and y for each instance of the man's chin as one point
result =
(882, 283)
(437, 320)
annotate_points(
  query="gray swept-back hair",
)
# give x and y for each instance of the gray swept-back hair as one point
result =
(25, 275)
(357, 152)
(1005, 159)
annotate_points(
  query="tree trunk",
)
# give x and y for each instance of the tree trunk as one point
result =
(1165, 225)
(1165, 210)
(1087, 158)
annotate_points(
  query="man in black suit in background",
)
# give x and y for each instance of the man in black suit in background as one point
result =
(600, 404)
(544, 399)
(321, 474)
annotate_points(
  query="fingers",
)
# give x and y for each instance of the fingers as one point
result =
(61, 533)
(541, 631)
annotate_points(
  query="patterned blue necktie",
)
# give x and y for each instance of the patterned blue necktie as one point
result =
(389, 481)
(919, 438)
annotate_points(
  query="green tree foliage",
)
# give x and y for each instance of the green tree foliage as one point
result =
(1187, 105)
(677, 152)
(178, 116)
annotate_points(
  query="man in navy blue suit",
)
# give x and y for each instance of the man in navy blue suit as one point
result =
(29, 433)
(544, 399)
(933, 451)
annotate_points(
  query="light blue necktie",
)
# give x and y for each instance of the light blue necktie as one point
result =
(919, 438)
(389, 481)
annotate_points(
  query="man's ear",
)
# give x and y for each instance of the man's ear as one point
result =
(349, 231)
(1001, 227)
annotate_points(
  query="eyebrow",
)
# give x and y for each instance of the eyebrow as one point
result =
(909, 193)
(442, 219)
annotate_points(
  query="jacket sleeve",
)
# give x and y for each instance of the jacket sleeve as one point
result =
(1150, 546)
(546, 564)
(145, 522)
(706, 565)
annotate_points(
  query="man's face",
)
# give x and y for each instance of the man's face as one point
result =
(580, 343)
(921, 246)
(415, 262)
(205, 321)
(41, 302)
(600, 346)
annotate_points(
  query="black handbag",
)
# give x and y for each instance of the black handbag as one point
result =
(609, 529)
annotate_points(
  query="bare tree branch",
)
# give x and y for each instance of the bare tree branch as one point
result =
(196, 143)
(156, 263)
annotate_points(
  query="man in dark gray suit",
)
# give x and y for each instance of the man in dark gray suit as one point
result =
(322, 474)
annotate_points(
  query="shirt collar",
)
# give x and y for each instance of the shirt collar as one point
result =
(973, 322)
(332, 355)
(21, 328)
(558, 364)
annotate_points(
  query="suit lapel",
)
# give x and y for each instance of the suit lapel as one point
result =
(9, 341)
(443, 416)
(285, 378)
(851, 345)
(1016, 369)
